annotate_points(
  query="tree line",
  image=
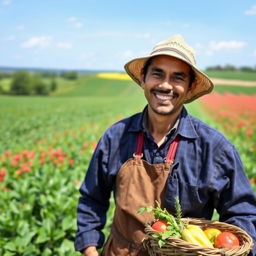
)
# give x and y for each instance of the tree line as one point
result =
(37, 83)
(231, 68)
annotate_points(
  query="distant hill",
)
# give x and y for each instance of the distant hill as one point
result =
(52, 70)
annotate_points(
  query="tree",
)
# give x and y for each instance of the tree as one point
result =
(39, 86)
(53, 85)
(1, 88)
(21, 83)
(70, 75)
(247, 69)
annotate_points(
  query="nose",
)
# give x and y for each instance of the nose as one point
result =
(166, 84)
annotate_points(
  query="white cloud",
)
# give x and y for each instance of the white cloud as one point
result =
(64, 45)
(72, 19)
(251, 11)
(254, 53)
(75, 22)
(37, 42)
(78, 25)
(226, 45)
(6, 2)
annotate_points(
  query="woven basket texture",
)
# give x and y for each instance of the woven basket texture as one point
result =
(178, 247)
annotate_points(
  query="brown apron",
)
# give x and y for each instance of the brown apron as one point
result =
(138, 184)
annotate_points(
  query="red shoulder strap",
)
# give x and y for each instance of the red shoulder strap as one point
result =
(139, 145)
(172, 150)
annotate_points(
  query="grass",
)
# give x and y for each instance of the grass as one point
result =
(5, 84)
(235, 89)
(237, 75)
(24, 120)
(90, 85)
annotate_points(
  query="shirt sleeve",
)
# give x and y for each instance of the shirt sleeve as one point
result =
(94, 200)
(236, 199)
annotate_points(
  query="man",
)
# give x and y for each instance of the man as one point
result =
(160, 154)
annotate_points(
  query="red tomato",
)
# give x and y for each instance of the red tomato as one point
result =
(226, 240)
(160, 225)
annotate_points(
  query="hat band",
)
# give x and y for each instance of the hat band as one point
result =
(172, 50)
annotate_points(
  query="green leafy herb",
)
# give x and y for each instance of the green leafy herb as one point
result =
(175, 223)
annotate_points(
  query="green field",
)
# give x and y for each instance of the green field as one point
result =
(250, 90)
(73, 105)
(236, 75)
(54, 138)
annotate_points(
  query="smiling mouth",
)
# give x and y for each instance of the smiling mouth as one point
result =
(164, 95)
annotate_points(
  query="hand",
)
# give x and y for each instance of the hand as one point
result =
(91, 251)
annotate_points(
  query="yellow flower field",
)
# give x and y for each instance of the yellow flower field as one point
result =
(114, 75)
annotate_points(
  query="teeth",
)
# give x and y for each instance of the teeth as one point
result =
(164, 97)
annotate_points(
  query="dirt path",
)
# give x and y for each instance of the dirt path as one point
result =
(218, 81)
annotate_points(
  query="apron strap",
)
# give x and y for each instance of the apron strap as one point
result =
(172, 150)
(138, 152)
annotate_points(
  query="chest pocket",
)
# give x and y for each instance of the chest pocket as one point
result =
(196, 201)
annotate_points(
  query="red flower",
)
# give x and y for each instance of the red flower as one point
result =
(14, 162)
(25, 168)
(249, 131)
(3, 172)
(85, 144)
(252, 180)
(94, 144)
(7, 153)
(17, 157)
(28, 154)
(241, 124)
(71, 162)
(42, 160)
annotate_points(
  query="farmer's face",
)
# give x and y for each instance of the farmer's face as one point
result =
(166, 84)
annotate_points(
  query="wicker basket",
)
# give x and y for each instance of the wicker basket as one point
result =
(178, 247)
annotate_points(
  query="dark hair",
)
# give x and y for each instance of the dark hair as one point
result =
(145, 67)
(192, 75)
(148, 63)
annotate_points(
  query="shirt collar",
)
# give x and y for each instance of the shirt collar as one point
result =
(137, 124)
(184, 125)
(171, 131)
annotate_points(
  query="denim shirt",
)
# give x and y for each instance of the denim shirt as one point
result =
(207, 174)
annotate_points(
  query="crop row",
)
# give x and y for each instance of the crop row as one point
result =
(44, 155)
(46, 151)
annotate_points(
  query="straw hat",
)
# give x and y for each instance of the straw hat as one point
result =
(178, 48)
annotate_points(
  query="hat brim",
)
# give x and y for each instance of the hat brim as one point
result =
(202, 85)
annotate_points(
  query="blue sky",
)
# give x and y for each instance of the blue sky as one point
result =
(90, 34)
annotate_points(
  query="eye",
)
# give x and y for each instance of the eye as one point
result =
(178, 78)
(157, 74)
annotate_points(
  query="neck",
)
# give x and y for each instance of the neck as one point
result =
(160, 125)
